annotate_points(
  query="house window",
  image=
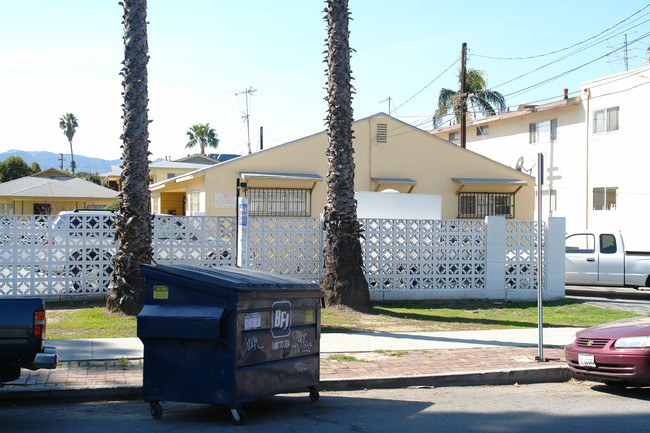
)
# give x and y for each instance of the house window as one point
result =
(605, 198)
(382, 133)
(193, 201)
(482, 130)
(6, 208)
(482, 204)
(606, 120)
(454, 136)
(171, 175)
(279, 202)
(542, 132)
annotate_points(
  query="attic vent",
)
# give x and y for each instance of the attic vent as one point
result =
(382, 133)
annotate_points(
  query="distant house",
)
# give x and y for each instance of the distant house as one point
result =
(398, 168)
(161, 170)
(50, 192)
(595, 147)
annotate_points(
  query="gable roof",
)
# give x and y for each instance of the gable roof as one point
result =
(201, 171)
(53, 185)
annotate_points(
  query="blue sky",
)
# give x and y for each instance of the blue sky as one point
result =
(64, 56)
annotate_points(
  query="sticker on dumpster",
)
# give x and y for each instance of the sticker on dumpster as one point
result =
(309, 316)
(252, 320)
(160, 292)
(281, 317)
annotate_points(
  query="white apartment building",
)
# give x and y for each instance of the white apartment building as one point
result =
(596, 153)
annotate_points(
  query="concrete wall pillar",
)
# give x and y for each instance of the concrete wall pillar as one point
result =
(554, 255)
(495, 257)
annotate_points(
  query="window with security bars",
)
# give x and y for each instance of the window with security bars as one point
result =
(279, 202)
(482, 204)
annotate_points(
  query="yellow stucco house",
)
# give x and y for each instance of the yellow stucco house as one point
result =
(50, 192)
(420, 170)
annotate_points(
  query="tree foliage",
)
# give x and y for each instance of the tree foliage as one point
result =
(480, 100)
(343, 279)
(90, 177)
(202, 135)
(69, 124)
(13, 168)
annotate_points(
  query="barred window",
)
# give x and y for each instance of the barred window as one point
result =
(279, 202)
(482, 204)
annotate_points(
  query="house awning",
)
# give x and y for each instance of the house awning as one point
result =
(503, 185)
(397, 183)
(268, 179)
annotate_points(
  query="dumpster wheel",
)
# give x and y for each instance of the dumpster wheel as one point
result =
(238, 416)
(313, 394)
(156, 409)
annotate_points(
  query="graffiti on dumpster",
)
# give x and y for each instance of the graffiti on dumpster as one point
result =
(281, 319)
(252, 344)
(300, 342)
(301, 366)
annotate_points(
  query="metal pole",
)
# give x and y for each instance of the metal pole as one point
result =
(463, 98)
(540, 265)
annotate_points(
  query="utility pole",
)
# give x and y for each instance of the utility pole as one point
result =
(61, 159)
(463, 97)
(261, 138)
(246, 117)
(389, 99)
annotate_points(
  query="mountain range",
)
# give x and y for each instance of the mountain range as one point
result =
(53, 160)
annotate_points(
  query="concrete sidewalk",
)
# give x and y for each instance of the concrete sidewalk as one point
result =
(104, 369)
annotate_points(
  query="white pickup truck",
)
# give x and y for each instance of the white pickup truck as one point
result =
(600, 259)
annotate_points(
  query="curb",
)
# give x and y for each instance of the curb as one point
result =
(549, 374)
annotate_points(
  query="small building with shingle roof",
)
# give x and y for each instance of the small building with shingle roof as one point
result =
(50, 192)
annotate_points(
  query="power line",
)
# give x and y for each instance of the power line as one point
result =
(565, 48)
(430, 83)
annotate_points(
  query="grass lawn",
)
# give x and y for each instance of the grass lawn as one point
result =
(71, 320)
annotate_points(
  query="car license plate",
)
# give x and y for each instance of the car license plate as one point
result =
(586, 360)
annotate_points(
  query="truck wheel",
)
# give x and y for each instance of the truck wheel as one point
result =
(9, 373)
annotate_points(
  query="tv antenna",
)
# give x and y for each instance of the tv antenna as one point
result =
(246, 115)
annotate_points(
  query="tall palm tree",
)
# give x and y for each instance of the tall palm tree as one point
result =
(480, 100)
(69, 124)
(343, 278)
(133, 223)
(202, 135)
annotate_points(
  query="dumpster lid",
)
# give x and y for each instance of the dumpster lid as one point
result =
(234, 278)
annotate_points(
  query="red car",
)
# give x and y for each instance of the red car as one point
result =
(616, 353)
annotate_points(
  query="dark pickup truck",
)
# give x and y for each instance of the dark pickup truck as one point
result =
(22, 334)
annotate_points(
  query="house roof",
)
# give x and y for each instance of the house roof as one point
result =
(54, 186)
(523, 110)
(201, 171)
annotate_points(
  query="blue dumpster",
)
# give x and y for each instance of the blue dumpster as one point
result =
(227, 336)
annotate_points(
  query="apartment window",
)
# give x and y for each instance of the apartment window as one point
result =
(482, 204)
(605, 198)
(454, 136)
(193, 202)
(542, 132)
(279, 201)
(482, 130)
(605, 120)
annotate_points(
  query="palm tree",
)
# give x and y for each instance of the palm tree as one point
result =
(133, 222)
(69, 124)
(343, 278)
(202, 135)
(480, 100)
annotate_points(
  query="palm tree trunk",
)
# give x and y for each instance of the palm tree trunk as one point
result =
(133, 224)
(72, 164)
(343, 278)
